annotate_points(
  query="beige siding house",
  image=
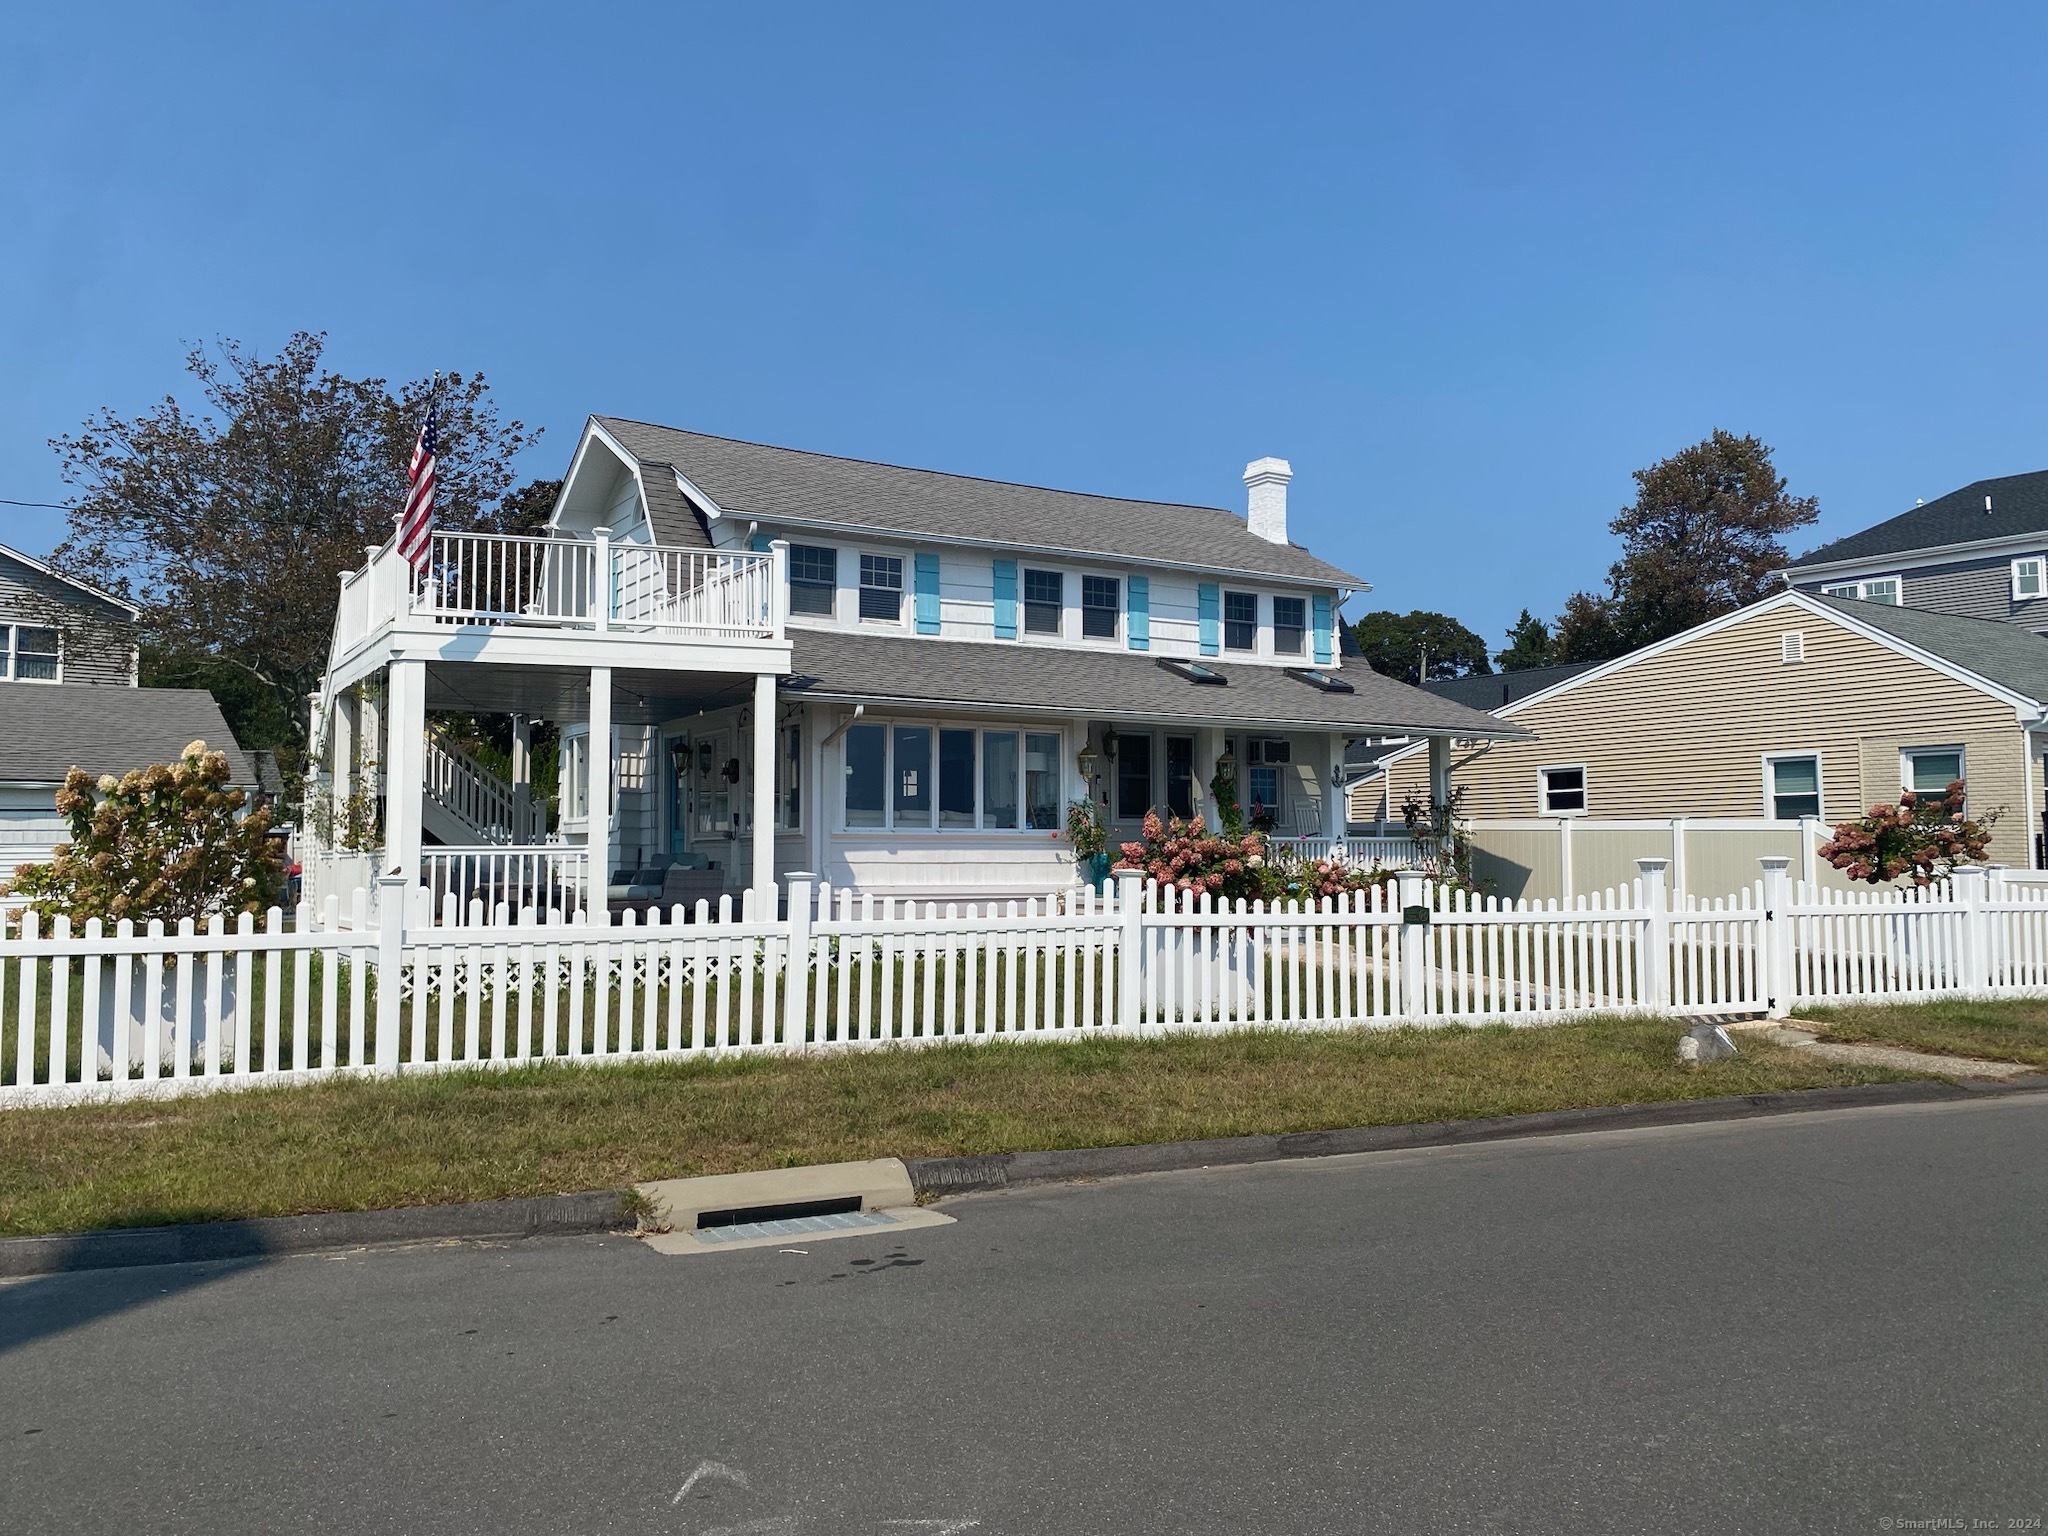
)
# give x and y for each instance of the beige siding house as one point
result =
(1796, 707)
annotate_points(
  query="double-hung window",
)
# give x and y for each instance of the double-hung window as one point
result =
(881, 588)
(2029, 580)
(1045, 600)
(1240, 621)
(1930, 770)
(1290, 625)
(1562, 789)
(1101, 597)
(28, 654)
(1793, 786)
(814, 578)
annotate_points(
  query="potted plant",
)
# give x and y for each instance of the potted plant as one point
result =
(1088, 831)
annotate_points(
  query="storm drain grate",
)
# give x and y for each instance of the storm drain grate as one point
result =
(794, 1226)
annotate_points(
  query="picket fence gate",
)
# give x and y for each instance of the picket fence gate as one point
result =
(391, 986)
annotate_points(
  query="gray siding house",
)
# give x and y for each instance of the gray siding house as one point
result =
(56, 629)
(1980, 552)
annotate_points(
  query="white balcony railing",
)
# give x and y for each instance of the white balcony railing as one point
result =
(500, 581)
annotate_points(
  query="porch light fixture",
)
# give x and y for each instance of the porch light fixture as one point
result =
(1226, 764)
(703, 757)
(1088, 762)
(1109, 745)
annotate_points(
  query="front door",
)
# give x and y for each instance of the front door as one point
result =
(711, 798)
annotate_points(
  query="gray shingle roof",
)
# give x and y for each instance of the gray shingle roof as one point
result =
(2002, 653)
(2019, 506)
(1113, 685)
(46, 729)
(785, 485)
(1490, 690)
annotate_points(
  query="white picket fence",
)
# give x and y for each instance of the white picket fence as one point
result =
(324, 991)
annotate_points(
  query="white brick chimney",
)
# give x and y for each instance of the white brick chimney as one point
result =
(1266, 482)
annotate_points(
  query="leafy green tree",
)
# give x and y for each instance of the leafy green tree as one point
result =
(1420, 645)
(228, 522)
(1528, 644)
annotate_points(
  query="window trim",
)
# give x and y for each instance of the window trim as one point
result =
(2040, 565)
(1543, 772)
(1820, 783)
(10, 668)
(809, 584)
(890, 724)
(861, 590)
(1907, 754)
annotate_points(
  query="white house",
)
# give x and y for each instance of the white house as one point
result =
(893, 678)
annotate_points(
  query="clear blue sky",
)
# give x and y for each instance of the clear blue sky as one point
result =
(1465, 266)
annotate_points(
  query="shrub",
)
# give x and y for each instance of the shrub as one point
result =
(1236, 866)
(166, 841)
(1922, 838)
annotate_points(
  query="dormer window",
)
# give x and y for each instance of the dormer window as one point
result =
(814, 578)
(881, 588)
(1290, 625)
(1101, 600)
(1045, 600)
(1878, 589)
(1240, 621)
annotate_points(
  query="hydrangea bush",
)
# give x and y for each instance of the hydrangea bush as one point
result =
(166, 841)
(1237, 866)
(1922, 838)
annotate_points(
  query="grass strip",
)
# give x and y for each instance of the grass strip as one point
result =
(2005, 1030)
(479, 1135)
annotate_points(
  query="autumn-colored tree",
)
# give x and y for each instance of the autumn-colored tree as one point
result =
(1702, 538)
(229, 522)
(166, 841)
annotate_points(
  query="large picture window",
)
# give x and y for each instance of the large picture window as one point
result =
(918, 778)
(814, 578)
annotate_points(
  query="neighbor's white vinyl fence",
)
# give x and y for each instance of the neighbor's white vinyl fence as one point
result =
(381, 988)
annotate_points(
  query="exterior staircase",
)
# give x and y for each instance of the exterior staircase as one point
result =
(467, 805)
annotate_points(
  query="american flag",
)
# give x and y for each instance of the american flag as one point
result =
(416, 522)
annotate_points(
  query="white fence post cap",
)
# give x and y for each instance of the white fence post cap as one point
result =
(1775, 863)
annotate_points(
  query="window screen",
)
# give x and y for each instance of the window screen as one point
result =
(881, 587)
(1101, 596)
(1795, 787)
(1240, 621)
(814, 578)
(1044, 599)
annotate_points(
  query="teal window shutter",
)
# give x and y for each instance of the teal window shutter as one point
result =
(927, 594)
(1209, 601)
(1006, 599)
(1322, 629)
(1139, 620)
(759, 543)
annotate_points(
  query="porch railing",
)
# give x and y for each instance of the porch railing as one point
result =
(1387, 852)
(545, 877)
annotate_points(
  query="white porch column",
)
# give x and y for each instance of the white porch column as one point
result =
(405, 766)
(522, 778)
(372, 752)
(764, 796)
(341, 759)
(1334, 792)
(597, 829)
(1440, 770)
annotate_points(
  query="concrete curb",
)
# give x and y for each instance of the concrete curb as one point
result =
(937, 1176)
(269, 1236)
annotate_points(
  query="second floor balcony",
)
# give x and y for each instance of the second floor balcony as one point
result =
(498, 584)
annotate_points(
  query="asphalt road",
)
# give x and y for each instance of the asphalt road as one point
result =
(1822, 1322)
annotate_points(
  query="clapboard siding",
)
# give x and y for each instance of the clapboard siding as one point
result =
(95, 647)
(1685, 733)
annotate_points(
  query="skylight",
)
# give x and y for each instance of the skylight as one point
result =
(1194, 671)
(1321, 681)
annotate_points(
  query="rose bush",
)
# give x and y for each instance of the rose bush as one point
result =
(1922, 838)
(166, 841)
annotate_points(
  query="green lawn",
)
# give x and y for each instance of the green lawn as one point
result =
(1995, 1031)
(552, 1129)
